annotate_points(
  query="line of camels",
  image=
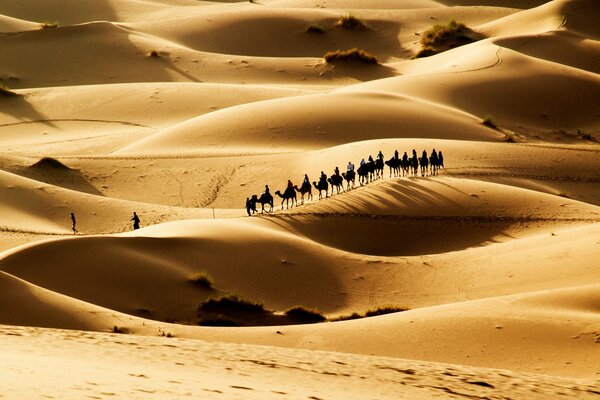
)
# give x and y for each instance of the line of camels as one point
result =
(367, 172)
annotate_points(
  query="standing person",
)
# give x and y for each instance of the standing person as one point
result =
(73, 224)
(248, 206)
(440, 159)
(136, 221)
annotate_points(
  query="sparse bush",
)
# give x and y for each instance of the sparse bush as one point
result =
(584, 135)
(314, 29)
(510, 138)
(302, 315)
(350, 55)
(49, 25)
(231, 305)
(384, 310)
(153, 54)
(6, 92)
(490, 122)
(201, 279)
(351, 22)
(440, 38)
(371, 313)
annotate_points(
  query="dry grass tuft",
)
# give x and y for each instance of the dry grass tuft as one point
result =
(312, 28)
(303, 315)
(49, 25)
(351, 55)
(351, 22)
(6, 92)
(201, 279)
(153, 54)
(490, 122)
(372, 313)
(440, 38)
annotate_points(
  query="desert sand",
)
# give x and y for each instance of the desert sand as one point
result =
(179, 110)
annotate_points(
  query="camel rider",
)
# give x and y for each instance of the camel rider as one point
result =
(405, 157)
(370, 159)
(306, 180)
(396, 154)
(414, 153)
(434, 154)
(336, 171)
(350, 167)
(441, 159)
(323, 177)
(380, 155)
(267, 191)
(290, 185)
(362, 162)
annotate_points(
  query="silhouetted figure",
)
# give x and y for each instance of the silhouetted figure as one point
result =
(267, 191)
(290, 185)
(371, 159)
(323, 178)
(336, 171)
(73, 224)
(396, 154)
(350, 167)
(136, 221)
(440, 159)
(248, 206)
(362, 162)
(380, 155)
(405, 157)
(306, 181)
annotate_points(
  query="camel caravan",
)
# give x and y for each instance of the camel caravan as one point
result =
(368, 171)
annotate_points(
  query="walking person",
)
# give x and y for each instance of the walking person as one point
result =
(74, 224)
(136, 221)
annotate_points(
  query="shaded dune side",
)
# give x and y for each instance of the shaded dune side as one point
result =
(315, 121)
(418, 216)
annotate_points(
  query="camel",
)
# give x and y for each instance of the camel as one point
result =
(433, 163)
(363, 174)
(424, 164)
(305, 189)
(394, 164)
(336, 181)
(378, 168)
(323, 185)
(349, 177)
(414, 163)
(264, 198)
(288, 194)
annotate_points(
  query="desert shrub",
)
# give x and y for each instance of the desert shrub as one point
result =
(351, 22)
(371, 313)
(231, 305)
(6, 92)
(490, 122)
(302, 315)
(350, 55)
(154, 54)
(384, 310)
(314, 29)
(439, 38)
(584, 135)
(49, 25)
(200, 279)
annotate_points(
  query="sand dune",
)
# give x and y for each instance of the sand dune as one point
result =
(181, 109)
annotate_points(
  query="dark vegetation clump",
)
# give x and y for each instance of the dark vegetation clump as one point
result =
(351, 22)
(351, 55)
(231, 305)
(153, 54)
(372, 313)
(201, 279)
(440, 38)
(6, 92)
(302, 315)
(120, 329)
(314, 29)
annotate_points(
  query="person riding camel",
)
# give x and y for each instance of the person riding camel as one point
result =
(336, 171)
(396, 154)
(323, 177)
(267, 191)
(290, 185)
(362, 162)
(350, 167)
(405, 157)
(306, 181)
(380, 155)
(371, 159)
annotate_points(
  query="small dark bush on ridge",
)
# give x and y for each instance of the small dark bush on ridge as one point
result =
(371, 313)
(350, 55)
(218, 321)
(49, 25)
(6, 92)
(231, 304)
(490, 122)
(314, 29)
(201, 279)
(303, 315)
